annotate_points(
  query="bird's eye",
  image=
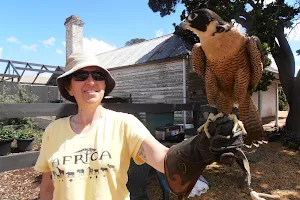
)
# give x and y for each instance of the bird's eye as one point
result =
(192, 16)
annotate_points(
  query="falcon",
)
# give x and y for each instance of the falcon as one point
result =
(231, 64)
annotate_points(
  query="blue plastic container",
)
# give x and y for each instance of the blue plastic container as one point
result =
(155, 120)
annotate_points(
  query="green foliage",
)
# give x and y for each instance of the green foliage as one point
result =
(6, 133)
(165, 7)
(25, 132)
(38, 136)
(265, 81)
(293, 145)
(134, 41)
(283, 104)
(17, 121)
(22, 95)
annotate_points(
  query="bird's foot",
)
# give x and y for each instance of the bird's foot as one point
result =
(211, 118)
(237, 123)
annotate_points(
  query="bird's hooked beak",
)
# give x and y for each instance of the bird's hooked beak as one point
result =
(184, 23)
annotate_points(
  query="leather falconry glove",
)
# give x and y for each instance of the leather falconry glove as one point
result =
(185, 162)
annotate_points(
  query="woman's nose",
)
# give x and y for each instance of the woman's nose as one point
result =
(90, 80)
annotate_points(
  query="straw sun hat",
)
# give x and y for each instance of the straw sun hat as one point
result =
(76, 62)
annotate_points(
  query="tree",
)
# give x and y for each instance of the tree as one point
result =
(283, 105)
(268, 23)
(134, 41)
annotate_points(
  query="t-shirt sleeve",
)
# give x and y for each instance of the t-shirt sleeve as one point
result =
(136, 133)
(42, 161)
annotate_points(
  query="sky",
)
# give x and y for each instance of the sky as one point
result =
(33, 30)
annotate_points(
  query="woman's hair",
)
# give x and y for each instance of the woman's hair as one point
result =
(67, 81)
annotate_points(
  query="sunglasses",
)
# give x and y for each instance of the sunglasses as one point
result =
(84, 75)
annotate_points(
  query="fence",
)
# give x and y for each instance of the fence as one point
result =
(17, 161)
(45, 93)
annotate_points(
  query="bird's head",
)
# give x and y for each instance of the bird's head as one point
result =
(205, 21)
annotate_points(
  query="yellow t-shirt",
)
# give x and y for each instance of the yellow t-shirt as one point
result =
(92, 166)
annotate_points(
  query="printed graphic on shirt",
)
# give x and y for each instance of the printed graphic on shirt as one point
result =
(83, 158)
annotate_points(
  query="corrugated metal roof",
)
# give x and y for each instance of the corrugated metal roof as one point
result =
(163, 47)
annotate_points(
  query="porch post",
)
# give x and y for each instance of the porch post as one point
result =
(276, 105)
(259, 103)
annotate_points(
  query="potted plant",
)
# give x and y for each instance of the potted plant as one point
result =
(6, 137)
(25, 137)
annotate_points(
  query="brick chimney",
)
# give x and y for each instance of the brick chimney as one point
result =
(74, 35)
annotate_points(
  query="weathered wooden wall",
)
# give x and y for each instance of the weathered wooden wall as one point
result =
(145, 82)
(196, 86)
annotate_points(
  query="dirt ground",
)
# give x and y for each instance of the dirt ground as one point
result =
(275, 169)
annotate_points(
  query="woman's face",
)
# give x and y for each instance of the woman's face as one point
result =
(87, 91)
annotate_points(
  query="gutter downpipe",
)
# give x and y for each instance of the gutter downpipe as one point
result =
(184, 89)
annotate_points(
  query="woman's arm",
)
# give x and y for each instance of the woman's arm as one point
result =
(46, 187)
(153, 153)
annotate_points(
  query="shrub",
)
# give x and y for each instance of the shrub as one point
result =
(22, 95)
(25, 132)
(283, 104)
(7, 134)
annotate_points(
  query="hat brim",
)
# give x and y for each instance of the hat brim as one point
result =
(62, 80)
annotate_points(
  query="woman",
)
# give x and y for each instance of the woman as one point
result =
(87, 155)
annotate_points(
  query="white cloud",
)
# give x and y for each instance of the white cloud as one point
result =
(293, 34)
(30, 47)
(159, 33)
(96, 46)
(58, 51)
(64, 43)
(12, 39)
(49, 42)
(1, 49)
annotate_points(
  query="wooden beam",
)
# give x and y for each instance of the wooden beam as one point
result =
(24, 63)
(7, 66)
(18, 161)
(36, 109)
(27, 65)
(14, 68)
(39, 70)
(9, 75)
(65, 109)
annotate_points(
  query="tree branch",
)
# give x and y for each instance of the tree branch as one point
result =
(285, 62)
(293, 27)
(286, 48)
